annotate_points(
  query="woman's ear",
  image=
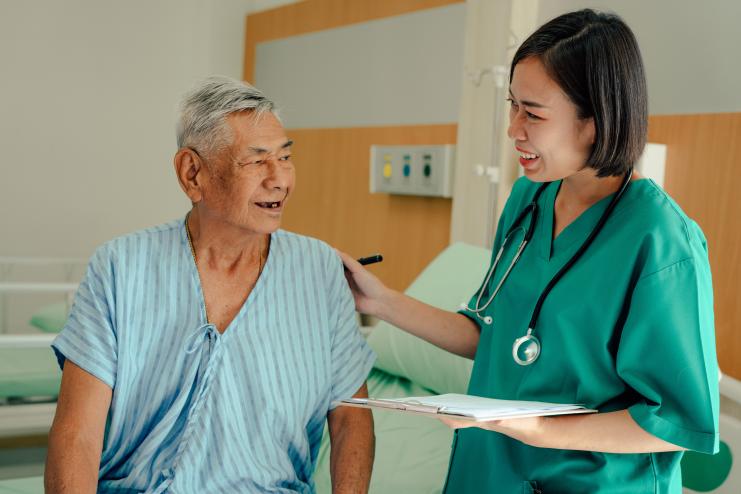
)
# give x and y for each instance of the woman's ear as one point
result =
(589, 131)
(188, 166)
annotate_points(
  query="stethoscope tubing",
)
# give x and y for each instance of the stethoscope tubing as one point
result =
(580, 252)
(532, 209)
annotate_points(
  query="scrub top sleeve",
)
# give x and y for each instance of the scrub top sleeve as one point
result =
(667, 356)
(89, 338)
(352, 358)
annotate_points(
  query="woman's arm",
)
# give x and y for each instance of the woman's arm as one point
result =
(448, 330)
(611, 432)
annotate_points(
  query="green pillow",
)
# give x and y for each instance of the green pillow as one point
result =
(50, 319)
(451, 278)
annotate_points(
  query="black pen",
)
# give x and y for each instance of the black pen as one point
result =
(370, 259)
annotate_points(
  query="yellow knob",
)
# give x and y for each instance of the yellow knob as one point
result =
(387, 170)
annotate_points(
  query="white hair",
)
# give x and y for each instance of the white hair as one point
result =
(203, 111)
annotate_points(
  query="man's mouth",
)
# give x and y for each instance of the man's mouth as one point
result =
(270, 205)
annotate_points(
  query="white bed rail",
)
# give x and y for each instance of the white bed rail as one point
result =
(34, 287)
(66, 267)
(730, 388)
(26, 340)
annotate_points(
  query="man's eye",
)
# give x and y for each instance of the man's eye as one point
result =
(532, 116)
(285, 158)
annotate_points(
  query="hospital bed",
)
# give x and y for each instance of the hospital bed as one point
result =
(412, 451)
(59, 276)
(29, 374)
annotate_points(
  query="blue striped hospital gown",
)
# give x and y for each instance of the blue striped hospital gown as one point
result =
(196, 411)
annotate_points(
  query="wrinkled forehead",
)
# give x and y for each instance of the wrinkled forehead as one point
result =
(257, 132)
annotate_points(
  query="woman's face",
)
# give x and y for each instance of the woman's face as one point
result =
(552, 141)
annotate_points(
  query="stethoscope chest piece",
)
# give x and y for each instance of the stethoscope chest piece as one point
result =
(526, 349)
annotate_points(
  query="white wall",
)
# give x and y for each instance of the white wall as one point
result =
(88, 93)
(690, 49)
(400, 70)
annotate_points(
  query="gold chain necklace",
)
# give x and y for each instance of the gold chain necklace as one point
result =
(193, 253)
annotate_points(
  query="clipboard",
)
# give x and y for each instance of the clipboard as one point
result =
(467, 408)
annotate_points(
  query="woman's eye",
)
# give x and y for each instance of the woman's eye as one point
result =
(512, 103)
(532, 116)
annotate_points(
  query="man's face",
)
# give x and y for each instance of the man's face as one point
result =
(248, 184)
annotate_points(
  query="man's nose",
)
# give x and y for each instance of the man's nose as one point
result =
(279, 175)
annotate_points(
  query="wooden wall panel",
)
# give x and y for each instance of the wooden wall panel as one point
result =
(317, 15)
(702, 175)
(332, 199)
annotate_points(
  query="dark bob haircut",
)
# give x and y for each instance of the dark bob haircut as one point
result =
(594, 58)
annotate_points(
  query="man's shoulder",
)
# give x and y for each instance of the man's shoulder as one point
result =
(295, 243)
(142, 242)
(312, 254)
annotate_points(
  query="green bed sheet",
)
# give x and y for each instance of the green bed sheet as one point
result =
(31, 485)
(412, 451)
(28, 372)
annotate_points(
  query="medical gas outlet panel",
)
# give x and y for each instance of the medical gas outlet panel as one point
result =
(412, 170)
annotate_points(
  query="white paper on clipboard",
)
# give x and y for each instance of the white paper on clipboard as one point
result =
(467, 407)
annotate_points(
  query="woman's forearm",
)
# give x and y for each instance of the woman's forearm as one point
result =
(448, 330)
(611, 432)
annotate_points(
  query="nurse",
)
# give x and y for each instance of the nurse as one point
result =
(625, 328)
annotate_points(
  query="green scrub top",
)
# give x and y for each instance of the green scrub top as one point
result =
(629, 326)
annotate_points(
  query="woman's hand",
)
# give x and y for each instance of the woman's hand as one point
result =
(369, 292)
(527, 430)
(448, 330)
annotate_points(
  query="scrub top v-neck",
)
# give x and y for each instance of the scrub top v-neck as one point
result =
(629, 326)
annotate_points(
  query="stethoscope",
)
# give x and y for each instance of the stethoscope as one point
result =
(526, 349)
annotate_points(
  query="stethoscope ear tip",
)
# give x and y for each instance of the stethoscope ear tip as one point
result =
(487, 320)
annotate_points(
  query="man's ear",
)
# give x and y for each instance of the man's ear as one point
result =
(188, 166)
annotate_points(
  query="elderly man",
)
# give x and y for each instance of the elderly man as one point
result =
(205, 355)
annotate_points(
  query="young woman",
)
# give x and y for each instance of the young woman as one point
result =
(607, 304)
